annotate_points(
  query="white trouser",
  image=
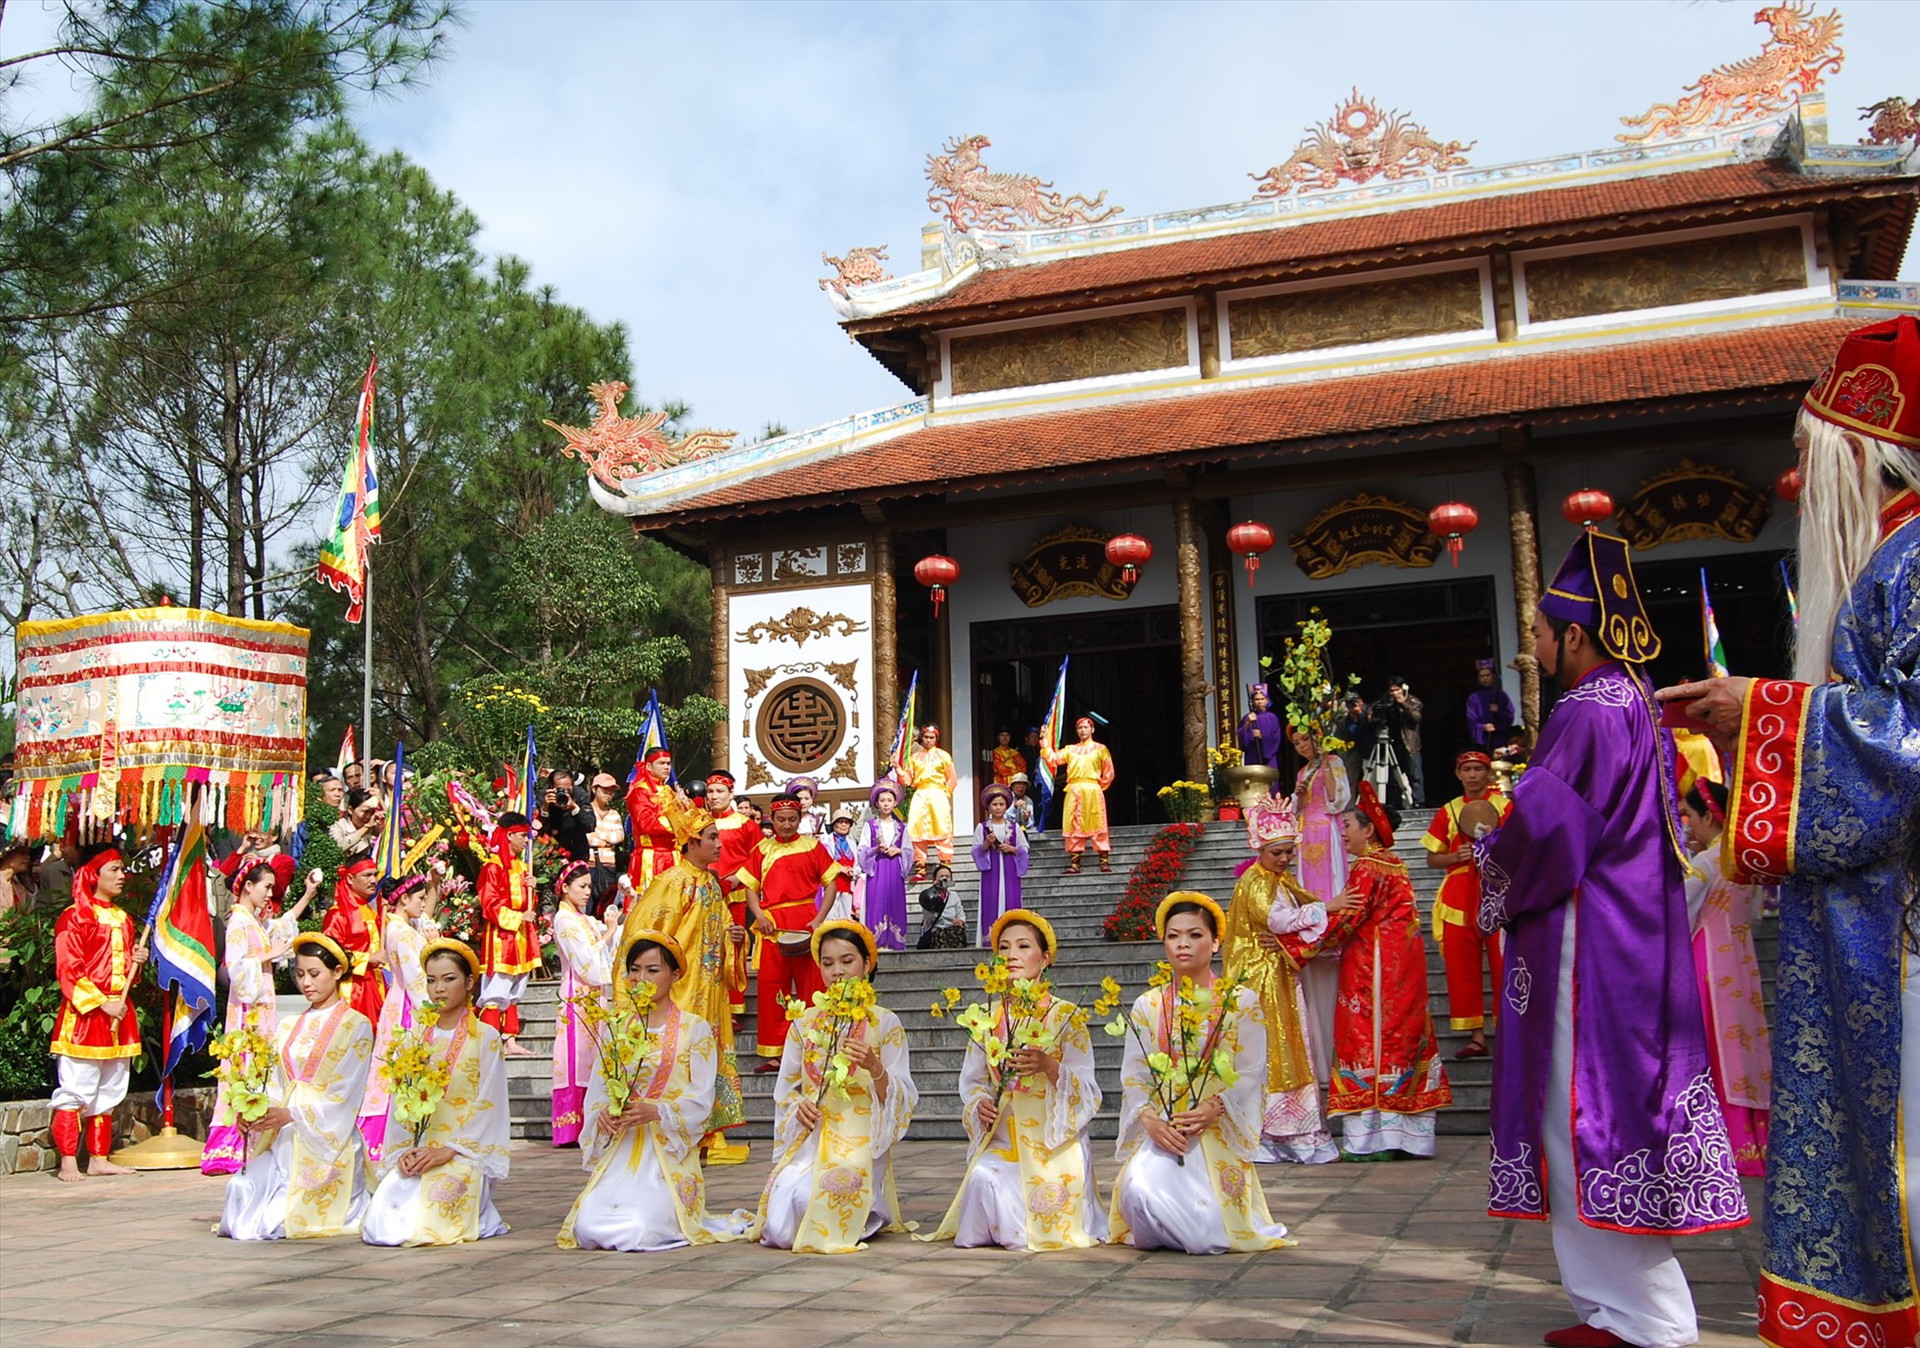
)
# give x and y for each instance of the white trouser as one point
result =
(502, 989)
(1631, 1285)
(91, 1085)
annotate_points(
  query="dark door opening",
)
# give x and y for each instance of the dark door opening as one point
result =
(1427, 632)
(1125, 666)
(1749, 607)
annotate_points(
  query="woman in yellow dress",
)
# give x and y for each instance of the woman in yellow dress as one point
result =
(932, 778)
(1029, 1182)
(1187, 1180)
(440, 1192)
(646, 1190)
(408, 905)
(303, 1176)
(832, 1184)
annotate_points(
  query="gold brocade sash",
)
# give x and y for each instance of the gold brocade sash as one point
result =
(1269, 975)
(319, 1184)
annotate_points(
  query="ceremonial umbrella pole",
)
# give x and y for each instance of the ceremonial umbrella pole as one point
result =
(167, 1149)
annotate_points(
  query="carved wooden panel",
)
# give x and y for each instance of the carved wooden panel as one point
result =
(801, 724)
(1124, 344)
(1756, 263)
(1378, 311)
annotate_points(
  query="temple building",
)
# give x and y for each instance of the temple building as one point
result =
(1396, 381)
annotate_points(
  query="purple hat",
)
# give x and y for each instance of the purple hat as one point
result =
(995, 789)
(794, 785)
(884, 784)
(1486, 665)
(1595, 588)
(1258, 690)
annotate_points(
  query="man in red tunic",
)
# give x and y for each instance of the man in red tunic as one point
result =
(739, 835)
(782, 881)
(510, 947)
(96, 1035)
(1456, 910)
(653, 803)
(354, 923)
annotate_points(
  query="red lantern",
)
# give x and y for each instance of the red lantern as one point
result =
(1129, 552)
(936, 572)
(1453, 521)
(1249, 540)
(1587, 507)
(1788, 484)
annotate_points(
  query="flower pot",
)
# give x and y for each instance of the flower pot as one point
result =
(1249, 784)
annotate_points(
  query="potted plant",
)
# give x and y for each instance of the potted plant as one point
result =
(1185, 802)
(1242, 784)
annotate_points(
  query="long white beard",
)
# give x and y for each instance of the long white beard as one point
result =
(1839, 529)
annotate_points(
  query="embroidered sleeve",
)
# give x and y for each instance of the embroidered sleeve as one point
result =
(1074, 1099)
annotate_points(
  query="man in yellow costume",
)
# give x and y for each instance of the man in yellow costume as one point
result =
(929, 772)
(1083, 817)
(687, 903)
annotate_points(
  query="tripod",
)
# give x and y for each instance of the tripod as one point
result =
(1383, 769)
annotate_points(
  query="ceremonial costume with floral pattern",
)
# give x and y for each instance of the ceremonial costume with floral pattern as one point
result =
(403, 941)
(1739, 1045)
(886, 880)
(307, 1179)
(510, 946)
(1321, 794)
(586, 970)
(687, 904)
(1029, 1182)
(354, 926)
(1291, 1127)
(249, 989)
(831, 1189)
(1000, 872)
(651, 807)
(1213, 1203)
(647, 1191)
(1083, 815)
(930, 775)
(739, 835)
(453, 1203)
(788, 877)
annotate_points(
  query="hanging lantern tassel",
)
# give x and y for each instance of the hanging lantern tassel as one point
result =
(1129, 552)
(1250, 540)
(1453, 521)
(936, 572)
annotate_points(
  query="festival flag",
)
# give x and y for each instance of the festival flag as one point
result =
(529, 775)
(1050, 740)
(347, 754)
(180, 927)
(1793, 600)
(390, 853)
(903, 733)
(653, 735)
(343, 561)
(1710, 631)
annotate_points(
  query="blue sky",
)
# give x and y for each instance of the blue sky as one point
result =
(680, 168)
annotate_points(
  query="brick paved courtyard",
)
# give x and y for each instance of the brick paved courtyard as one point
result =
(1388, 1254)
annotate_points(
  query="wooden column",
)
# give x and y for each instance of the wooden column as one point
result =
(1190, 568)
(1523, 514)
(722, 730)
(886, 652)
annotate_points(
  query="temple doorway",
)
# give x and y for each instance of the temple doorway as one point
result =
(1125, 667)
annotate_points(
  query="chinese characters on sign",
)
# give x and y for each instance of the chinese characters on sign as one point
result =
(1694, 501)
(1070, 563)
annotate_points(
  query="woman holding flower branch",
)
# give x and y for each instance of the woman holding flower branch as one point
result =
(1190, 1115)
(408, 906)
(303, 1176)
(844, 1097)
(586, 950)
(447, 1128)
(1027, 1095)
(648, 1105)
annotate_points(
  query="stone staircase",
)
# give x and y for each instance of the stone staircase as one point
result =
(908, 982)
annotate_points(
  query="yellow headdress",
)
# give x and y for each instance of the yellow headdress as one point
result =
(328, 944)
(1032, 919)
(653, 936)
(690, 823)
(1188, 896)
(447, 945)
(846, 926)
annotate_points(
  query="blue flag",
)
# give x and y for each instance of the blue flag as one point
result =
(1050, 741)
(653, 735)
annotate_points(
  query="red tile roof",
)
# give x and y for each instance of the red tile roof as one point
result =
(1463, 398)
(1390, 236)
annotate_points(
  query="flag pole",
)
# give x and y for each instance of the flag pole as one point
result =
(167, 1149)
(366, 661)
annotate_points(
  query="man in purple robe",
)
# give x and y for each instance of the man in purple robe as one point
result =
(1260, 737)
(1604, 1115)
(1489, 709)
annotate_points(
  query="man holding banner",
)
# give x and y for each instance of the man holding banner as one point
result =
(96, 1036)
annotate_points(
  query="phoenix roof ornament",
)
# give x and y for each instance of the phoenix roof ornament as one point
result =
(1358, 144)
(971, 196)
(616, 448)
(1800, 52)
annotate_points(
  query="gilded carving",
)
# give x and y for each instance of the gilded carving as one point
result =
(748, 568)
(1694, 501)
(1126, 344)
(1364, 528)
(757, 680)
(850, 559)
(801, 725)
(846, 766)
(1359, 143)
(758, 773)
(860, 267)
(616, 448)
(798, 625)
(1800, 50)
(1613, 282)
(840, 671)
(1069, 563)
(1381, 311)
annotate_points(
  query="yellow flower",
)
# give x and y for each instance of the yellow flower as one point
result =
(1162, 975)
(952, 995)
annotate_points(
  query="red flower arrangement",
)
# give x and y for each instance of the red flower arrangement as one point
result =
(1150, 881)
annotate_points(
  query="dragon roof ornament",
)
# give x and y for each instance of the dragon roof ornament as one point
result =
(1896, 121)
(860, 267)
(971, 196)
(1357, 144)
(1801, 50)
(617, 448)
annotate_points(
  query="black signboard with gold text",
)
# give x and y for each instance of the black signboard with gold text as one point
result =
(1694, 501)
(1069, 563)
(1361, 529)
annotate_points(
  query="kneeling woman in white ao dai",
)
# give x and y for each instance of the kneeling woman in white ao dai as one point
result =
(1029, 1182)
(440, 1190)
(304, 1176)
(1187, 1182)
(646, 1190)
(832, 1183)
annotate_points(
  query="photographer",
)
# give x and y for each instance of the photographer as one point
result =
(357, 830)
(1400, 711)
(562, 817)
